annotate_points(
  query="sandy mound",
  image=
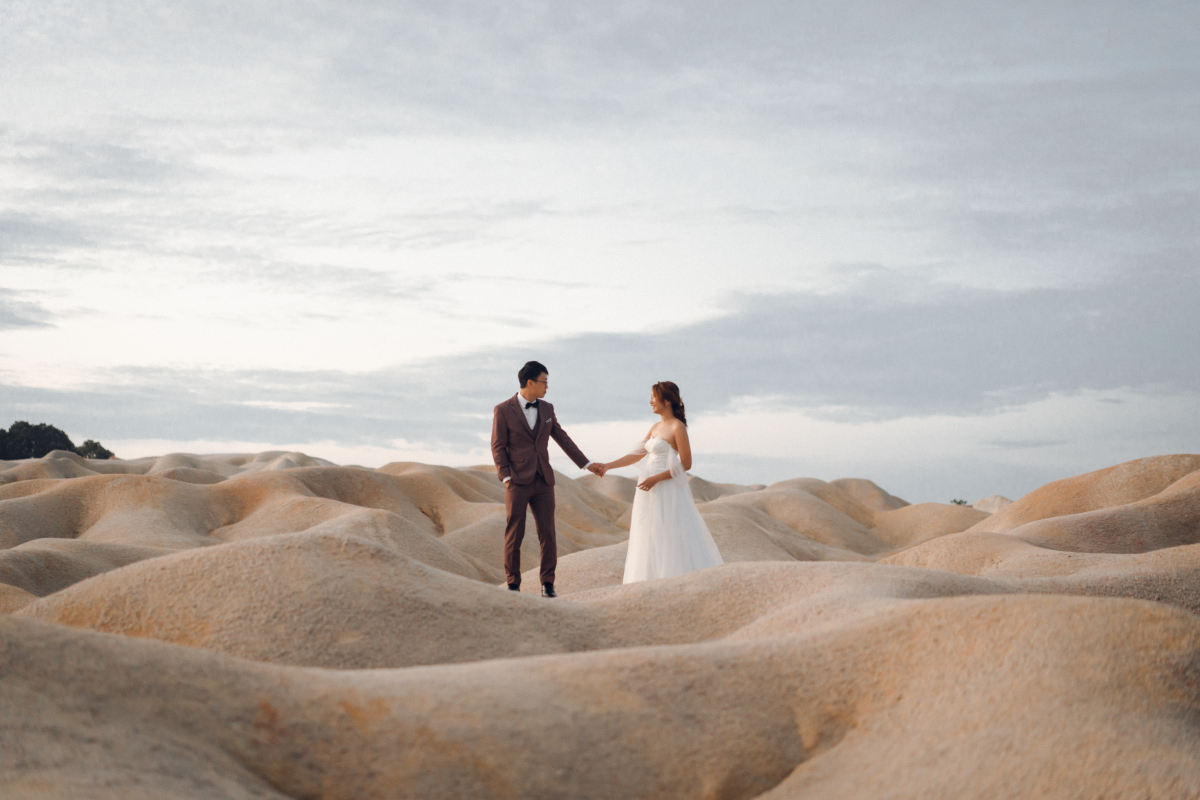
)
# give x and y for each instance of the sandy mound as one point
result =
(1167, 519)
(596, 568)
(867, 493)
(1115, 486)
(809, 516)
(317, 599)
(746, 532)
(63, 464)
(190, 475)
(834, 496)
(153, 511)
(1147, 548)
(57, 464)
(911, 525)
(793, 715)
(273, 626)
(703, 490)
(616, 487)
(313, 599)
(993, 504)
(1171, 575)
(45, 566)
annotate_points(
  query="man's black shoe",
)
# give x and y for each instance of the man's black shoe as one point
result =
(548, 590)
(514, 587)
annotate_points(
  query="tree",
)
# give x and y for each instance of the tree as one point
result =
(93, 449)
(23, 440)
(959, 502)
(34, 441)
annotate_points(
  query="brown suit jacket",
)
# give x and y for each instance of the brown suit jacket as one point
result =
(518, 451)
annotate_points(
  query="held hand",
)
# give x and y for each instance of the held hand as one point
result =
(597, 469)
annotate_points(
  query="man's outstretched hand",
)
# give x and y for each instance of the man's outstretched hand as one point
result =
(597, 469)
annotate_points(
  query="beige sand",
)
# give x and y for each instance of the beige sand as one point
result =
(276, 626)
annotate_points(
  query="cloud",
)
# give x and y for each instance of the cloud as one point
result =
(1054, 133)
(25, 236)
(229, 265)
(1027, 444)
(90, 160)
(16, 313)
(875, 352)
(529, 66)
(22, 315)
(865, 353)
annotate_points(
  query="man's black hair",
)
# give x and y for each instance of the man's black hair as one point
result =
(531, 372)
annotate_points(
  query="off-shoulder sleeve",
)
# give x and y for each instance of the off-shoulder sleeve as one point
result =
(639, 449)
(676, 466)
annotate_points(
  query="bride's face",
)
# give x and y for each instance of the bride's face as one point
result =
(656, 404)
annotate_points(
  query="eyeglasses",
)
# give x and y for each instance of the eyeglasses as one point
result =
(547, 383)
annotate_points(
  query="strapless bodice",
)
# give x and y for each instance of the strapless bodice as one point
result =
(658, 455)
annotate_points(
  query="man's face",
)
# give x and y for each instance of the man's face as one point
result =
(537, 389)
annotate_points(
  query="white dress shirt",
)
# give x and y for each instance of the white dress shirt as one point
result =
(531, 414)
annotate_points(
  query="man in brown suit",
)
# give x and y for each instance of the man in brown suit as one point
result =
(522, 427)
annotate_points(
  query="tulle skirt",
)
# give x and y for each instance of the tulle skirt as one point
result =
(667, 535)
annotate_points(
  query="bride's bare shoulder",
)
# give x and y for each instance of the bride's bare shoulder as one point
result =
(670, 430)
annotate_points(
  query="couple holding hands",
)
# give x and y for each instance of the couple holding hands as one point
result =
(667, 535)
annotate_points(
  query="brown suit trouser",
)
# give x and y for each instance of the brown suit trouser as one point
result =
(538, 496)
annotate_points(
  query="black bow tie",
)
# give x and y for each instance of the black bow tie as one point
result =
(532, 405)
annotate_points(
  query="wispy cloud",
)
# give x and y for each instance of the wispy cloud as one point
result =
(1027, 444)
(872, 353)
(230, 266)
(90, 161)
(860, 354)
(25, 237)
(17, 313)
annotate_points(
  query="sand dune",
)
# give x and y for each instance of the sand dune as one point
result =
(991, 505)
(811, 517)
(63, 464)
(912, 525)
(1106, 488)
(793, 715)
(867, 493)
(45, 566)
(273, 625)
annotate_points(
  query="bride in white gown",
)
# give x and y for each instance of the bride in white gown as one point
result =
(667, 535)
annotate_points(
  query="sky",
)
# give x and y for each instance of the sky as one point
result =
(949, 247)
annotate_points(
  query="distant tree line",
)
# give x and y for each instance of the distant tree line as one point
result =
(23, 440)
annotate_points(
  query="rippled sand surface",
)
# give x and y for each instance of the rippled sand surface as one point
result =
(277, 626)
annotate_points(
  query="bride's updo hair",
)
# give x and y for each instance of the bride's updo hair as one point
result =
(668, 392)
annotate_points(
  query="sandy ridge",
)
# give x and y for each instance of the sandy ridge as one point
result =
(276, 626)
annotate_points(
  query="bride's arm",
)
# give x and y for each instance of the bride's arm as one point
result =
(637, 455)
(684, 446)
(623, 461)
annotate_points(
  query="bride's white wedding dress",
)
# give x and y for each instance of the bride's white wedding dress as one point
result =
(667, 535)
